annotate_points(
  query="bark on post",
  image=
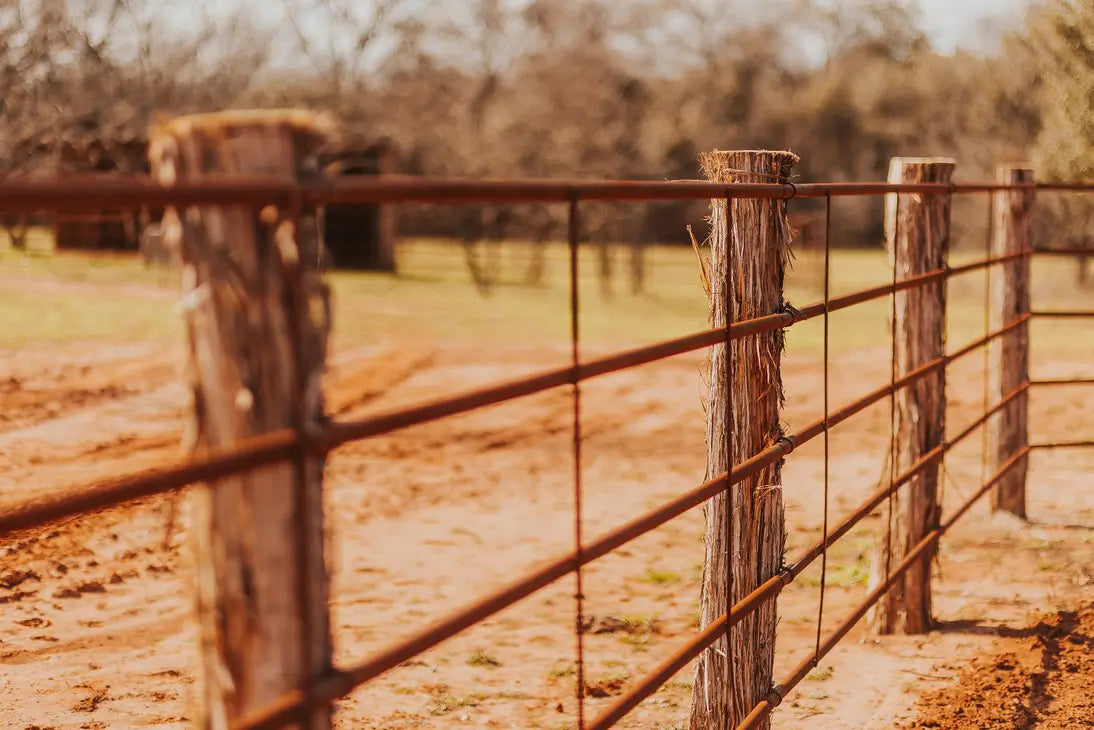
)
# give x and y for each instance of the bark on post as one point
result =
(1009, 354)
(257, 318)
(918, 231)
(750, 248)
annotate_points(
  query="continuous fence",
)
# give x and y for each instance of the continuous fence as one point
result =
(295, 444)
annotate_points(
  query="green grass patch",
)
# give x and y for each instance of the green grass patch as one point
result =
(561, 670)
(58, 316)
(677, 685)
(841, 575)
(481, 659)
(661, 577)
(432, 298)
(446, 703)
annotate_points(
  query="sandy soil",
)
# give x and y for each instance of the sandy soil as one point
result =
(95, 624)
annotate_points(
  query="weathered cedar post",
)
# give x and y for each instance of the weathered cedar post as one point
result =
(1009, 354)
(918, 231)
(749, 252)
(256, 315)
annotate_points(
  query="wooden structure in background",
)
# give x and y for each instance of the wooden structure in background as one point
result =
(109, 230)
(359, 237)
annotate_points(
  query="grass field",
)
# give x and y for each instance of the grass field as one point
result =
(47, 297)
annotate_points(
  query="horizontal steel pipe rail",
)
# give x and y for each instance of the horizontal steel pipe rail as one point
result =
(345, 431)
(1061, 251)
(1074, 187)
(984, 263)
(1080, 444)
(1063, 314)
(98, 192)
(260, 451)
(155, 481)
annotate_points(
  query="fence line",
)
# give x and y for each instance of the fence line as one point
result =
(286, 444)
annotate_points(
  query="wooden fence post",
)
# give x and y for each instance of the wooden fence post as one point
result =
(750, 246)
(917, 228)
(256, 314)
(1009, 356)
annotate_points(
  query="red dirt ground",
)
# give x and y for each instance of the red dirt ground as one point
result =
(1041, 677)
(95, 623)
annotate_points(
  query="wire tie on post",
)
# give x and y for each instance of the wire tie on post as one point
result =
(788, 442)
(795, 313)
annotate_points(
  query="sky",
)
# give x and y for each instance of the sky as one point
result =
(950, 23)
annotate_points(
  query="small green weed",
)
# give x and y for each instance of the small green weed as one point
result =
(560, 670)
(481, 659)
(661, 577)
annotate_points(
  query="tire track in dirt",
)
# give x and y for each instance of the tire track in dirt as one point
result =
(36, 433)
(51, 461)
(33, 389)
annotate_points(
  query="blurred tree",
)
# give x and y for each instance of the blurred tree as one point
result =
(568, 88)
(1062, 33)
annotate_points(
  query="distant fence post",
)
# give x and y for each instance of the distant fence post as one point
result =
(750, 245)
(917, 229)
(256, 315)
(1009, 356)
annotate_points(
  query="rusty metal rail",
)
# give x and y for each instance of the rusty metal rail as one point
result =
(990, 261)
(262, 450)
(1064, 314)
(91, 192)
(1063, 251)
(1078, 444)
